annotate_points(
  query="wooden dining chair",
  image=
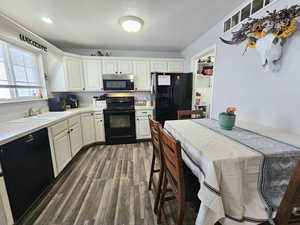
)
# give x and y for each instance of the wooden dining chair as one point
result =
(156, 155)
(178, 177)
(291, 200)
(190, 114)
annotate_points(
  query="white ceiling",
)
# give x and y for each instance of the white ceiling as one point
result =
(170, 25)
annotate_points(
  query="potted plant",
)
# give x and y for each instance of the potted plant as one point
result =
(227, 119)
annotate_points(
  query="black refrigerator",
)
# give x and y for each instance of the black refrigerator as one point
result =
(172, 92)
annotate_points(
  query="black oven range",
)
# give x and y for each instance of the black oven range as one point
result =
(119, 120)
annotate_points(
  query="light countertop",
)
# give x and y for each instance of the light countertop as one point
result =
(14, 129)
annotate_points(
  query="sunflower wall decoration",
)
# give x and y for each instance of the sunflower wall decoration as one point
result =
(268, 35)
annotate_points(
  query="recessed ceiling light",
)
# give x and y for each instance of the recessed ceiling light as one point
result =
(131, 23)
(47, 20)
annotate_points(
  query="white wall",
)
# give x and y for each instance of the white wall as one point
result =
(271, 99)
(9, 31)
(125, 53)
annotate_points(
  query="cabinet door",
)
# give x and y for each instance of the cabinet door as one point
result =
(125, 67)
(175, 66)
(100, 133)
(62, 150)
(142, 78)
(88, 128)
(76, 139)
(159, 66)
(142, 128)
(92, 75)
(110, 66)
(74, 74)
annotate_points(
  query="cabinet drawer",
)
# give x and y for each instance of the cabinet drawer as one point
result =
(59, 127)
(98, 115)
(74, 120)
(143, 113)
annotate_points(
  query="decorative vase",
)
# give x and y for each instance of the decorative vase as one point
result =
(226, 121)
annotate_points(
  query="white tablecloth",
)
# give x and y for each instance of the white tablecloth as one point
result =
(228, 173)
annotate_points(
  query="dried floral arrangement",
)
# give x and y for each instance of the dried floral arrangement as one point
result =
(282, 24)
(271, 31)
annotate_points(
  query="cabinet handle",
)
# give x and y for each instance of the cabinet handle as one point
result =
(92, 114)
(83, 89)
(120, 72)
(137, 119)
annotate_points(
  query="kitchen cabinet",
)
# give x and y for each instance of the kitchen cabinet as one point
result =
(62, 148)
(92, 74)
(122, 66)
(176, 66)
(142, 124)
(159, 66)
(99, 127)
(142, 75)
(110, 66)
(73, 74)
(125, 66)
(88, 128)
(75, 138)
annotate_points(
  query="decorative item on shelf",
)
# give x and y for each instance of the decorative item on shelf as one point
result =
(268, 35)
(206, 66)
(198, 99)
(227, 119)
(100, 53)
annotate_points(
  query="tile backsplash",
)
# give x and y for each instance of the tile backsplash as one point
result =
(11, 111)
(86, 98)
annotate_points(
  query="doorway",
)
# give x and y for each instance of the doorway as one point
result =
(203, 67)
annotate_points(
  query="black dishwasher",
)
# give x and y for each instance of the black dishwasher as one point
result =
(27, 169)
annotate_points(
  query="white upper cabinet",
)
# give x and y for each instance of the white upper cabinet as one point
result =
(110, 66)
(73, 74)
(175, 66)
(142, 75)
(159, 66)
(125, 66)
(92, 74)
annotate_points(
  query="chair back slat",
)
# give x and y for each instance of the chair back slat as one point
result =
(171, 150)
(155, 129)
(189, 114)
(291, 199)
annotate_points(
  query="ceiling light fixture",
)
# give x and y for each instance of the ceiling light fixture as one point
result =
(47, 20)
(131, 23)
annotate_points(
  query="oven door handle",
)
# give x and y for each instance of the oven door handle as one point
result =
(120, 112)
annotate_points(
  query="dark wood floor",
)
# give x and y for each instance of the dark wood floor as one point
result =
(104, 185)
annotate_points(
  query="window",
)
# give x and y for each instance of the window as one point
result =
(227, 25)
(235, 19)
(19, 73)
(246, 12)
(257, 5)
(253, 7)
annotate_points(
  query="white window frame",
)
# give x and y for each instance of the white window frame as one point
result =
(11, 75)
(239, 10)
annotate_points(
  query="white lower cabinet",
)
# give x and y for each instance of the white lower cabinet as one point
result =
(142, 124)
(99, 127)
(66, 140)
(62, 149)
(88, 128)
(75, 138)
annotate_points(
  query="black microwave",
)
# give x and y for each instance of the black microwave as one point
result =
(112, 82)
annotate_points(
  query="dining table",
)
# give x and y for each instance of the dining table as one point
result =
(243, 173)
